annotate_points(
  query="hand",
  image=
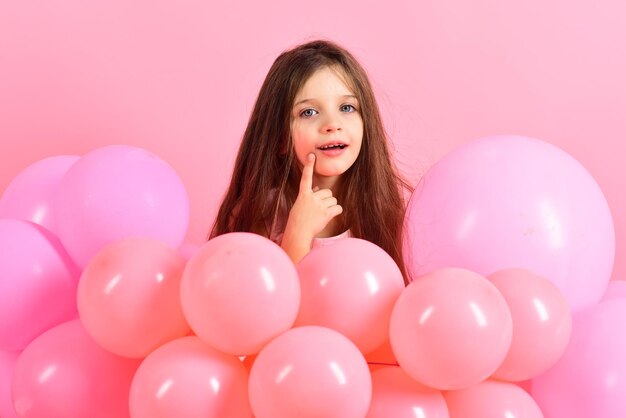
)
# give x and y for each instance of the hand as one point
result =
(313, 208)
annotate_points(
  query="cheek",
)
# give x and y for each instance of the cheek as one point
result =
(302, 143)
(357, 152)
(358, 137)
(300, 150)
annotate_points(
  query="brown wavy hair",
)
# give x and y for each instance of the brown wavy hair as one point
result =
(371, 192)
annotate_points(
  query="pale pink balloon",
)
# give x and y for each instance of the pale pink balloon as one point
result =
(395, 394)
(351, 287)
(542, 323)
(129, 297)
(615, 290)
(64, 373)
(310, 372)
(38, 283)
(187, 378)
(239, 291)
(514, 202)
(590, 378)
(493, 399)
(118, 192)
(8, 359)
(450, 329)
(30, 194)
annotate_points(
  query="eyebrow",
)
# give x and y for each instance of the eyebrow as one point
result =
(346, 96)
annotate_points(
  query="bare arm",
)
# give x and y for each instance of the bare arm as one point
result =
(295, 245)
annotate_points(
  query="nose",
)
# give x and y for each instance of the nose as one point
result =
(331, 124)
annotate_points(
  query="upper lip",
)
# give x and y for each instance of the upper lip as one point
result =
(332, 143)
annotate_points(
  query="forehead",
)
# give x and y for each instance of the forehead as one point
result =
(326, 80)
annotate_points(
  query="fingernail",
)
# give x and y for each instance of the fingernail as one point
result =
(311, 156)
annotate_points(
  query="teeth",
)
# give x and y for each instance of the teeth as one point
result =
(342, 146)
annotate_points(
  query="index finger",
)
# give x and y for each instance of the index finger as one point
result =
(306, 181)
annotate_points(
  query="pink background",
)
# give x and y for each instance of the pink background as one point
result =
(179, 78)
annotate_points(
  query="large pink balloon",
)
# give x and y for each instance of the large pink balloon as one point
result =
(542, 323)
(615, 290)
(117, 192)
(129, 297)
(30, 194)
(492, 399)
(351, 287)
(514, 202)
(395, 394)
(37, 283)
(450, 329)
(239, 291)
(310, 372)
(7, 364)
(187, 378)
(64, 373)
(590, 378)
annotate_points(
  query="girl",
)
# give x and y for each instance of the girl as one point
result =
(314, 164)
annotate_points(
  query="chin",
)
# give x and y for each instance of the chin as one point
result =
(330, 173)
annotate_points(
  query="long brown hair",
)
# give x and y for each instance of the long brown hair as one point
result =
(371, 191)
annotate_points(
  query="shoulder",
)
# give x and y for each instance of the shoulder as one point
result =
(263, 219)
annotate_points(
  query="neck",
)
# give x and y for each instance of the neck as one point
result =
(331, 183)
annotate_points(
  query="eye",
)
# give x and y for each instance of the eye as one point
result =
(307, 113)
(348, 108)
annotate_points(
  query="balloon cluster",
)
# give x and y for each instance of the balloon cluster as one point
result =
(105, 313)
(510, 203)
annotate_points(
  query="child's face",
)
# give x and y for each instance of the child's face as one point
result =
(326, 121)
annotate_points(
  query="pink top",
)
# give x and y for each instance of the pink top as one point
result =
(317, 242)
(320, 242)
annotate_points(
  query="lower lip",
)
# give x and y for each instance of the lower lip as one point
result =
(333, 152)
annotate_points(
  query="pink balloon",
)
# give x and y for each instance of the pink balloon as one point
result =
(450, 329)
(7, 364)
(239, 291)
(590, 378)
(514, 202)
(351, 287)
(129, 298)
(117, 192)
(542, 323)
(30, 194)
(37, 283)
(187, 378)
(492, 399)
(64, 373)
(615, 290)
(395, 394)
(310, 372)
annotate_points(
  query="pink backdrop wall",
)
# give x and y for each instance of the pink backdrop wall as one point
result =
(179, 78)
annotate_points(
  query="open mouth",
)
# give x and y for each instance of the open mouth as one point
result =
(332, 146)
